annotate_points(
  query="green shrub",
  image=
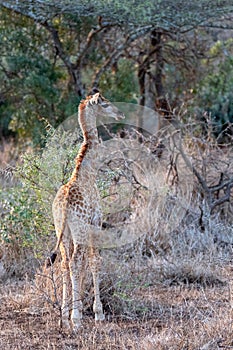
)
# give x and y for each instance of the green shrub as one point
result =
(26, 230)
(22, 218)
(215, 94)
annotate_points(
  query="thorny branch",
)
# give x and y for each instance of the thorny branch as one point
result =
(209, 191)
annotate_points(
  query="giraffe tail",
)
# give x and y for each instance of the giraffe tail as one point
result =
(50, 260)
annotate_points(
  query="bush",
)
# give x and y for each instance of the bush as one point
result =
(22, 223)
(26, 229)
(215, 94)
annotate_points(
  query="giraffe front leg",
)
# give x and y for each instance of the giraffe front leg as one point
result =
(75, 273)
(95, 265)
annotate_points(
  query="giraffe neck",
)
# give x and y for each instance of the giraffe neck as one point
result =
(84, 162)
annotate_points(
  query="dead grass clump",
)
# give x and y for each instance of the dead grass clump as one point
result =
(9, 157)
(17, 261)
(192, 273)
(9, 152)
(195, 258)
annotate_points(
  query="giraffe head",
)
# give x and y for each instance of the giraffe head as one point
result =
(103, 107)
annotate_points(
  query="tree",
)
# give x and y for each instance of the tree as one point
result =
(30, 92)
(161, 14)
(136, 20)
(87, 38)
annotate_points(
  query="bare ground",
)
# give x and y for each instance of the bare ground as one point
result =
(174, 317)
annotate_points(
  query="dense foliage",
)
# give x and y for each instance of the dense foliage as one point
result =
(53, 53)
(215, 95)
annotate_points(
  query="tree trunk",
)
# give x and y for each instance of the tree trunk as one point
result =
(152, 92)
(75, 82)
(160, 101)
(142, 81)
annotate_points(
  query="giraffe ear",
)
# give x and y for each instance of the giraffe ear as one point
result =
(93, 91)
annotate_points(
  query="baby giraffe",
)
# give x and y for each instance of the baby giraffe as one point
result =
(77, 212)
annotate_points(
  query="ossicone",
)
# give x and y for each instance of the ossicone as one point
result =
(94, 91)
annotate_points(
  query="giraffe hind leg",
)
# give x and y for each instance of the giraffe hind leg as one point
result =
(64, 322)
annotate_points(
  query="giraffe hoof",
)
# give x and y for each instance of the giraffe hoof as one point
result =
(76, 327)
(99, 317)
(76, 324)
(64, 324)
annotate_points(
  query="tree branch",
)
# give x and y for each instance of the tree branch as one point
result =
(92, 34)
(58, 45)
(117, 53)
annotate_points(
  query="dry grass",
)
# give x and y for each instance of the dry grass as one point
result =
(181, 299)
(174, 317)
(9, 157)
